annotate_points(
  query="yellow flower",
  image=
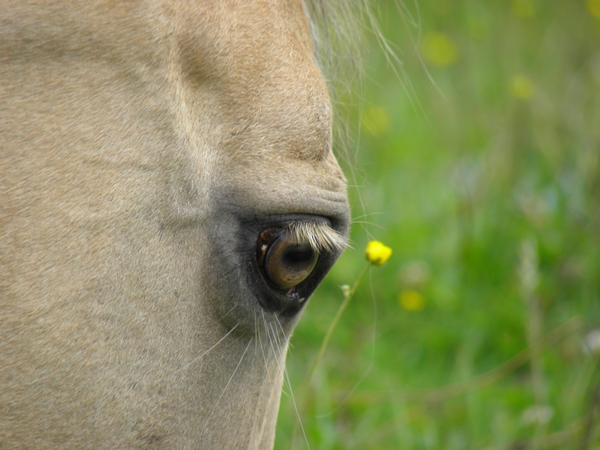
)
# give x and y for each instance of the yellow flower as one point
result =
(377, 253)
(521, 87)
(375, 120)
(411, 300)
(594, 8)
(439, 50)
(523, 9)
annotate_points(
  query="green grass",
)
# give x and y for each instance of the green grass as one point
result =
(500, 155)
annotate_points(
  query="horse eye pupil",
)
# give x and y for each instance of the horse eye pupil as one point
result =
(299, 254)
(287, 262)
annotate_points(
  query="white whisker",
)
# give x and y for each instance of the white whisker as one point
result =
(234, 372)
(207, 351)
(287, 379)
(269, 335)
(262, 350)
(271, 338)
(365, 215)
(283, 336)
(277, 353)
(214, 406)
(280, 327)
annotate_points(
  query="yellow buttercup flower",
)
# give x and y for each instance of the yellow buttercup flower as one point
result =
(523, 9)
(377, 253)
(521, 87)
(439, 50)
(411, 300)
(594, 8)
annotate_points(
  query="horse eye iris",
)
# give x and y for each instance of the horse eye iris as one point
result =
(288, 262)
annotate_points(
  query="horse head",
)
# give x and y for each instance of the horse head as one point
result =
(170, 201)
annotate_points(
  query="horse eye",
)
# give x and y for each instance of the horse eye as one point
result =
(285, 261)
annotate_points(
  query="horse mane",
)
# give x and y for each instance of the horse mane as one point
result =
(338, 29)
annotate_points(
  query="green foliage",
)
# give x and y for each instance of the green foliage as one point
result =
(488, 184)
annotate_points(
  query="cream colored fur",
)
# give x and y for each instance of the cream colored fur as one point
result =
(134, 137)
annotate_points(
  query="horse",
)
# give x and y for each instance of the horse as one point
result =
(169, 202)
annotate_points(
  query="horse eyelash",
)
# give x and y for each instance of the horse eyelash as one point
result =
(318, 235)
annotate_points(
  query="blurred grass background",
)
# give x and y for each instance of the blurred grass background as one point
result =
(486, 184)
